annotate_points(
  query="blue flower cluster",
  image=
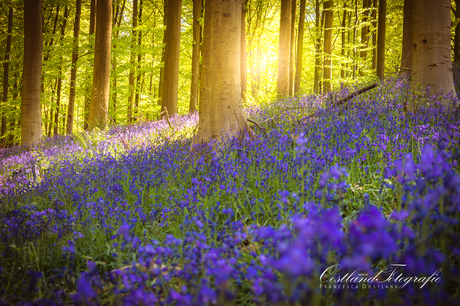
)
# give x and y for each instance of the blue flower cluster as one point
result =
(353, 206)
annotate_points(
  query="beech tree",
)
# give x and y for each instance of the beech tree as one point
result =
(73, 70)
(431, 53)
(172, 53)
(221, 112)
(406, 58)
(365, 30)
(197, 6)
(101, 73)
(132, 66)
(292, 51)
(284, 51)
(319, 20)
(92, 30)
(328, 23)
(59, 80)
(298, 70)
(31, 115)
(139, 40)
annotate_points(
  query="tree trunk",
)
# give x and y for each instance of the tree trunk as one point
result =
(139, 60)
(328, 24)
(101, 73)
(284, 48)
(132, 65)
(292, 48)
(162, 74)
(92, 30)
(6, 68)
(354, 40)
(59, 86)
(46, 57)
(197, 6)
(431, 53)
(172, 55)
(50, 129)
(220, 112)
(244, 68)
(365, 30)
(344, 18)
(31, 117)
(319, 20)
(51, 41)
(73, 71)
(381, 39)
(13, 126)
(406, 59)
(298, 70)
(11, 129)
(117, 21)
(151, 87)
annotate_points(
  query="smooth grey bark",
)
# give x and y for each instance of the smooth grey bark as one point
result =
(221, 112)
(431, 53)
(328, 24)
(284, 52)
(101, 73)
(196, 53)
(406, 58)
(169, 94)
(31, 117)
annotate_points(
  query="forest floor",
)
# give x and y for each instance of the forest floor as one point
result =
(358, 205)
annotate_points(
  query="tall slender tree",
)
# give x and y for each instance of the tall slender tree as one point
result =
(299, 60)
(117, 21)
(292, 48)
(172, 55)
(284, 47)
(319, 21)
(31, 116)
(431, 53)
(91, 32)
(47, 55)
(328, 24)
(6, 68)
(197, 6)
(381, 39)
(374, 34)
(162, 67)
(139, 61)
(59, 80)
(406, 58)
(365, 30)
(73, 70)
(101, 73)
(220, 112)
(132, 66)
(343, 31)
